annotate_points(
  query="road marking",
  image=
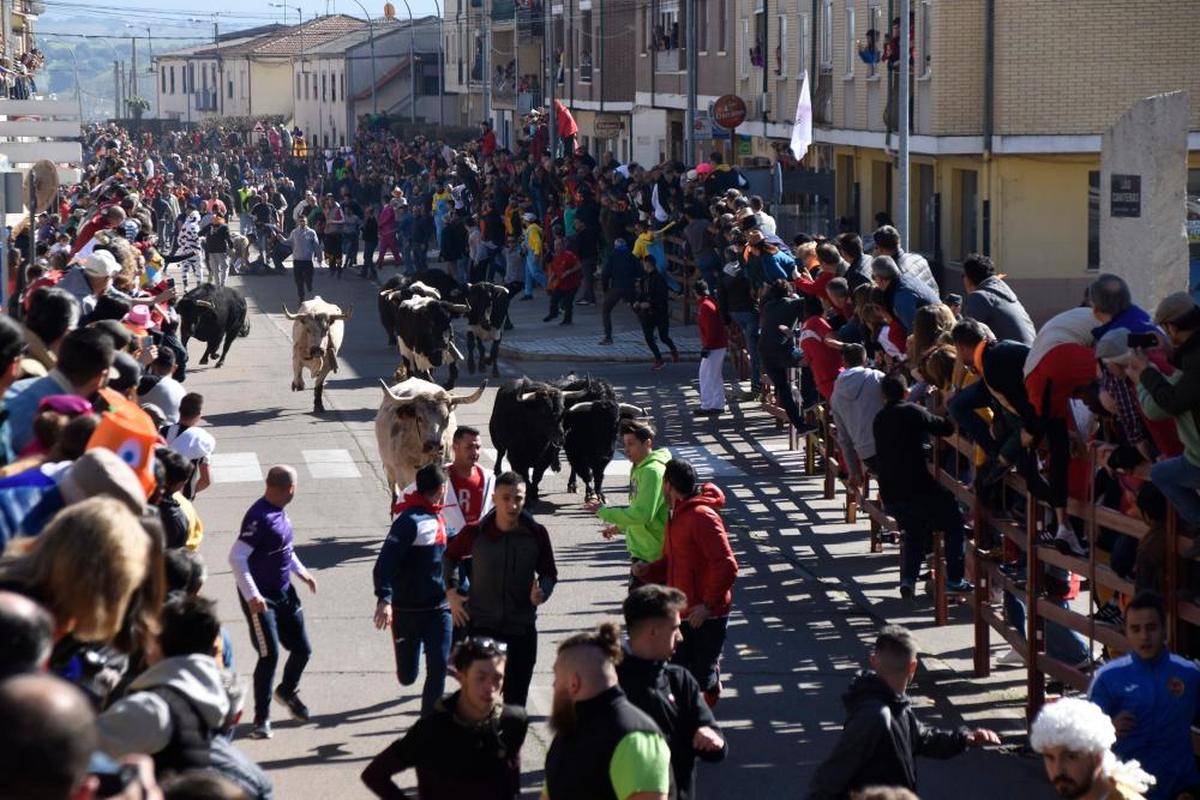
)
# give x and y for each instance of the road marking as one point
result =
(337, 463)
(235, 468)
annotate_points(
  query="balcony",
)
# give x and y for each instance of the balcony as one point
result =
(669, 60)
(204, 100)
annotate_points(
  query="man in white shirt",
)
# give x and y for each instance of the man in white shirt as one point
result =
(165, 392)
(469, 495)
(187, 438)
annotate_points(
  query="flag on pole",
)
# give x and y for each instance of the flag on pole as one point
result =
(802, 127)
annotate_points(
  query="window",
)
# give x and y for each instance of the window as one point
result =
(189, 83)
(324, 91)
(163, 70)
(851, 49)
(701, 26)
(744, 55)
(968, 197)
(1093, 223)
(304, 80)
(781, 44)
(666, 27)
(722, 22)
(647, 31)
(585, 47)
(229, 89)
(870, 49)
(804, 29)
(758, 44)
(924, 39)
(342, 85)
(297, 85)
(827, 34)
(172, 79)
(333, 87)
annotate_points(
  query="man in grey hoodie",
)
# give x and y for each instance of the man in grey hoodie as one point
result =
(993, 302)
(855, 401)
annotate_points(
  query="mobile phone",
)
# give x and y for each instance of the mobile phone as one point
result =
(116, 782)
(170, 283)
(145, 342)
(1142, 341)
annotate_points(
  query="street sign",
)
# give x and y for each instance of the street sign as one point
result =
(1126, 195)
(608, 126)
(729, 111)
(702, 129)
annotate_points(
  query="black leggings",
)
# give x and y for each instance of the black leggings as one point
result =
(778, 375)
(663, 325)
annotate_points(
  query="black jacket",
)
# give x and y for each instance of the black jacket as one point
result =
(672, 698)
(775, 346)
(880, 742)
(1004, 374)
(652, 289)
(901, 435)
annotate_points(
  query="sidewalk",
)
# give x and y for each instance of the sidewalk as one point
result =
(534, 340)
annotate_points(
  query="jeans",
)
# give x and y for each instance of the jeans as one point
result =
(413, 631)
(962, 411)
(662, 324)
(370, 268)
(1179, 480)
(778, 375)
(420, 256)
(522, 656)
(612, 298)
(748, 322)
(533, 274)
(700, 651)
(659, 251)
(588, 265)
(564, 299)
(281, 624)
(218, 267)
(918, 517)
(302, 272)
(1062, 644)
(349, 250)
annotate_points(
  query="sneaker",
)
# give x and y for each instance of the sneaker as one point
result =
(293, 703)
(657, 365)
(1066, 538)
(675, 356)
(261, 730)
(1011, 658)
(1110, 614)
(549, 317)
(908, 591)
(585, 302)
(959, 587)
(565, 322)
(607, 340)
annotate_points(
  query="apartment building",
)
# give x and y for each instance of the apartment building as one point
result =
(1018, 179)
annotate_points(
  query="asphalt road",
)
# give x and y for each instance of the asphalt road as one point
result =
(794, 641)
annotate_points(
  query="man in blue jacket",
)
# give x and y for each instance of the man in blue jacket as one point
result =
(410, 589)
(1151, 695)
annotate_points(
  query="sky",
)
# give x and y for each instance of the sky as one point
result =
(168, 19)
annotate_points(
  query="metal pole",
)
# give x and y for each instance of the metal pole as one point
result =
(374, 80)
(441, 72)
(903, 161)
(133, 83)
(412, 67)
(551, 72)
(78, 92)
(692, 69)
(487, 63)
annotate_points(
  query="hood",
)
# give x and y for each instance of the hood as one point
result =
(867, 686)
(855, 380)
(659, 455)
(996, 286)
(709, 496)
(415, 499)
(196, 676)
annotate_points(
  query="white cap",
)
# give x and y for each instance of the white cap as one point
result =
(101, 264)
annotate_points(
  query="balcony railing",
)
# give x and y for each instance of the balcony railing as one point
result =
(669, 60)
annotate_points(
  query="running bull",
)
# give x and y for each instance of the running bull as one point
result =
(317, 331)
(212, 313)
(486, 318)
(414, 427)
(526, 425)
(590, 428)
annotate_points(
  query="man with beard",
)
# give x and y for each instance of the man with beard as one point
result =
(605, 747)
(667, 692)
(1075, 739)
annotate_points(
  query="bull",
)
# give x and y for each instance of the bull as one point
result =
(212, 314)
(590, 427)
(414, 427)
(526, 425)
(398, 289)
(317, 331)
(486, 317)
(425, 335)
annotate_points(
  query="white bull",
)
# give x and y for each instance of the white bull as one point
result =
(317, 331)
(415, 426)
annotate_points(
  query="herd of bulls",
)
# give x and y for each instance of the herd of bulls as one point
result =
(533, 423)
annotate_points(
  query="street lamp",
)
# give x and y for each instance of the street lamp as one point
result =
(441, 71)
(412, 68)
(374, 82)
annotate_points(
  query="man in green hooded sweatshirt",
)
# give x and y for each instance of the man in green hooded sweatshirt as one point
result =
(644, 521)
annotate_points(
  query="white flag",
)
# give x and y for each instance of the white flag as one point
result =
(802, 127)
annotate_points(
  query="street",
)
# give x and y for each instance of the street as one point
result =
(794, 639)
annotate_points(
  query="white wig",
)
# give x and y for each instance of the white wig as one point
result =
(1080, 726)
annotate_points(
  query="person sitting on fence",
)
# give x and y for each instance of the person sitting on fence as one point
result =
(777, 349)
(1152, 696)
(857, 398)
(911, 494)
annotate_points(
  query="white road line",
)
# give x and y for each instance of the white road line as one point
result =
(235, 468)
(337, 463)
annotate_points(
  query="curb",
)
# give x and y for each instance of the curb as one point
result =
(517, 354)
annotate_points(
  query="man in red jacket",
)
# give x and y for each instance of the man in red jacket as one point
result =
(698, 561)
(565, 277)
(713, 342)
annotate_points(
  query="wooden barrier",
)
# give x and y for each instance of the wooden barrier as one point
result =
(680, 265)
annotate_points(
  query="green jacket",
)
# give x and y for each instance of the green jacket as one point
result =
(1158, 387)
(644, 520)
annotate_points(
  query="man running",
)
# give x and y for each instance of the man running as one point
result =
(263, 563)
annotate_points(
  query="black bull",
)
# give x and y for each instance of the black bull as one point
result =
(526, 425)
(590, 427)
(212, 313)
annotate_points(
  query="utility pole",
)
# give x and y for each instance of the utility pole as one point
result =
(692, 69)
(133, 82)
(905, 88)
(487, 62)
(552, 73)
(441, 73)
(116, 89)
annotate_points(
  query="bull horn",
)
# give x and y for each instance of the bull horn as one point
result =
(581, 407)
(527, 397)
(570, 397)
(343, 317)
(458, 356)
(289, 314)
(502, 291)
(628, 409)
(205, 304)
(388, 391)
(463, 399)
(458, 309)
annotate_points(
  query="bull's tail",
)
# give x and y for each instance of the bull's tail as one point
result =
(245, 331)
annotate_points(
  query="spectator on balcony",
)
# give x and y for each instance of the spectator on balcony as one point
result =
(993, 302)
(1175, 396)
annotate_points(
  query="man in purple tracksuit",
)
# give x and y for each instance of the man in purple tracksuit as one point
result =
(263, 562)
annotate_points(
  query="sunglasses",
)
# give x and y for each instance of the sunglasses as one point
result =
(483, 647)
